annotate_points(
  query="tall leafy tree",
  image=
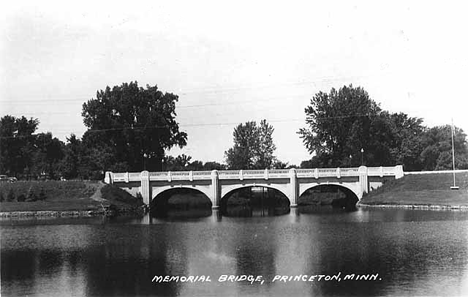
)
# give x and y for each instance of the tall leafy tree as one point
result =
(73, 158)
(47, 155)
(134, 125)
(347, 128)
(437, 152)
(406, 141)
(253, 147)
(342, 123)
(17, 144)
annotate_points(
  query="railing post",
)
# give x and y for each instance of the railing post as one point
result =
(266, 173)
(338, 172)
(169, 177)
(381, 171)
(126, 177)
(293, 187)
(191, 175)
(241, 174)
(363, 180)
(109, 178)
(316, 173)
(399, 171)
(215, 189)
(145, 187)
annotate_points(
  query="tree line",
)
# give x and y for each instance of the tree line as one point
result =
(346, 127)
(130, 128)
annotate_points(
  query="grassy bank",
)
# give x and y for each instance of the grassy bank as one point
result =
(421, 189)
(65, 196)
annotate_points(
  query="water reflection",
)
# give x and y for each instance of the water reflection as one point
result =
(414, 253)
(254, 201)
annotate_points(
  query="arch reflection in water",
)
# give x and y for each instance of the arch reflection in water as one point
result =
(181, 203)
(254, 201)
(327, 198)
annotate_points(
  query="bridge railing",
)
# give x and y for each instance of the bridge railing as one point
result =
(381, 171)
(258, 174)
(327, 172)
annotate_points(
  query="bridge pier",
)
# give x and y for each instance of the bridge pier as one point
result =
(215, 189)
(145, 187)
(293, 187)
(363, 180)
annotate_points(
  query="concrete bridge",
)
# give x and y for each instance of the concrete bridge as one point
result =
(218, 184)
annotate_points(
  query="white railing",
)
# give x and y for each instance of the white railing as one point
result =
(256, 174)
(381, 171)
(435, 172)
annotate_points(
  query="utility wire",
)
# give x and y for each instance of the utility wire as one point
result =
(207, 90)
(203, 125)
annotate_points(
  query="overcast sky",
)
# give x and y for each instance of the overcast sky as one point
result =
(232, 62)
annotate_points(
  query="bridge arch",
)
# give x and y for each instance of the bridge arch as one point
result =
(227, 190)
(157, 191)
(346, 186)
(189, 198)
(254, 202)
(348, 201)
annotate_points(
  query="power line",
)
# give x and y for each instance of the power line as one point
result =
(207, 90)
(204, 124)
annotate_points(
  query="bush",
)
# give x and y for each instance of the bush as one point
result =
(21, 198)
(114, 193)
(10, 196)
(42, 195)
(139, 197)
(31, 196)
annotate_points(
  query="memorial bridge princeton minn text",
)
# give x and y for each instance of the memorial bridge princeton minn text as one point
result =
(216, 184)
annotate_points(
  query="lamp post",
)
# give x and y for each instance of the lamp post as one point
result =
(362, 156)
(144, 161)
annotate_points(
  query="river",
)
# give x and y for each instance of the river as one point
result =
(399, 252)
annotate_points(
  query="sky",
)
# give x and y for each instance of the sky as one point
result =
(235, 61)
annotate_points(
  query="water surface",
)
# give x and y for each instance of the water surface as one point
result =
(412, 252)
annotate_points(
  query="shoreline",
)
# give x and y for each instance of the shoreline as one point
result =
(54, 214)
(437, 207)
(110, 213)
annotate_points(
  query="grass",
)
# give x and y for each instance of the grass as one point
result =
(120, 200)
(422, 189)
(65, 196)
(69, 205)
(53, 190)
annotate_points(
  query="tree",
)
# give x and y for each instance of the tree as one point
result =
(178, 163)
(253, 147)
(212, 165)
(131, 122)
(406, 142)
(344, 122)
(17, 144)
(437, 153)
(340, 124)
(265, 147)
(73, 158)
(47, 155)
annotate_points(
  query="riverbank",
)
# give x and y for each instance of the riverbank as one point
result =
(421, 191)
(65, 199)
